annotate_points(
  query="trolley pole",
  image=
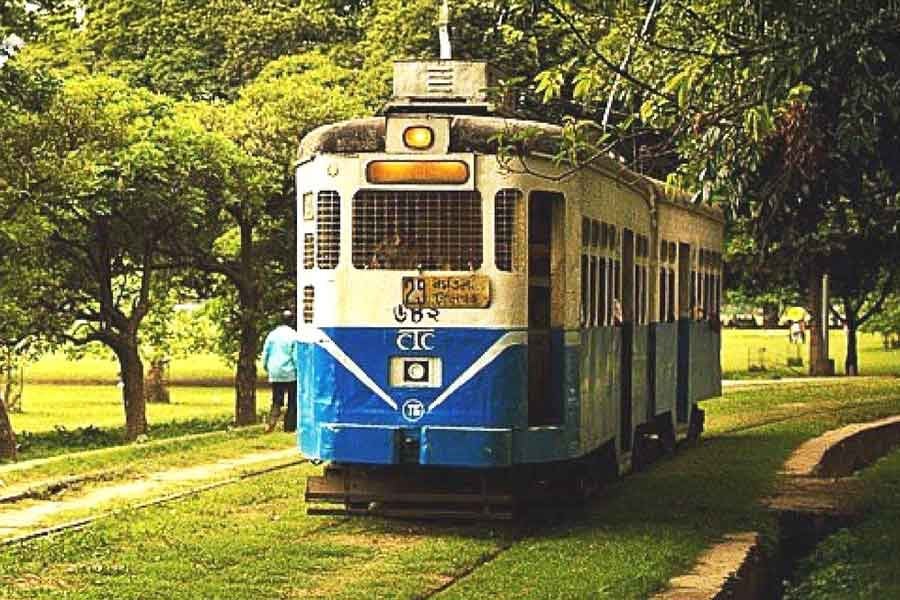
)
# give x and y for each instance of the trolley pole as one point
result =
(444, 31)
(825, 308)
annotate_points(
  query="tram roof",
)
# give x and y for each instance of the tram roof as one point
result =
(470, 133)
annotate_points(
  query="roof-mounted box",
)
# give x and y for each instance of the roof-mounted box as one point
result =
(445, 86)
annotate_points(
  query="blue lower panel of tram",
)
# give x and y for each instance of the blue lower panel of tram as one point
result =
(350, 412)
(475, 417)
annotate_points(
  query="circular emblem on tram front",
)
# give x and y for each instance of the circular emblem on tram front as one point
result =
(413, 410)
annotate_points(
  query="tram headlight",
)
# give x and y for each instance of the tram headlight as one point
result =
(418, 372)
(418, 137)
(415, 371)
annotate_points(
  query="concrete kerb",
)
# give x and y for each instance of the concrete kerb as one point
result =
(814, 498)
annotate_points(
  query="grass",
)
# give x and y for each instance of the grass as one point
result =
(118, 478)
(199, 369)
(860, 562)
(741, 348)
(254, 540)
(139, 459)
(65, 418)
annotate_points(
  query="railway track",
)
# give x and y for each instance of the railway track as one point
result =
(82, 523)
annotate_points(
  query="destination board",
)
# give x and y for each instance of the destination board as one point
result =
(447, 291)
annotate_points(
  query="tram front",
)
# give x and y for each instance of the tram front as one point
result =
(412, 285)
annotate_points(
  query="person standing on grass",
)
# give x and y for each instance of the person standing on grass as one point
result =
(279, 352)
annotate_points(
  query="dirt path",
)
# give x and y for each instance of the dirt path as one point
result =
(25, 517)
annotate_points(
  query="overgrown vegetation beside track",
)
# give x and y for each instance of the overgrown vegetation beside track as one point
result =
(254, 540)
(140, 459)
(60, 419)
(860, 562)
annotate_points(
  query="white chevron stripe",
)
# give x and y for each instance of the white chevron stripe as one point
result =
(312, 335)
(513, 338)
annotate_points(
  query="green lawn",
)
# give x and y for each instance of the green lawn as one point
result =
(138, 459)
(860, 562)
(200, 369)
(65, 418)
(254, 541)
(743, 347)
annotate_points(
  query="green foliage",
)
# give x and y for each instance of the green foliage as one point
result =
(887, 321)
(204, 50)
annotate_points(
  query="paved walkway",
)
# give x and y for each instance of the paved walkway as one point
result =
(17, 520)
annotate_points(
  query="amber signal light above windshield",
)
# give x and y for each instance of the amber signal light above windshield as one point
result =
(412, 172)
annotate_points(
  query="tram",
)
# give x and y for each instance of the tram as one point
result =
(472, 330)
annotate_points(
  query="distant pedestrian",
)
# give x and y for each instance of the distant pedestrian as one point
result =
(795, 334)
(279, 352)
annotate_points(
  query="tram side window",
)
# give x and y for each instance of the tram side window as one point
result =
(585, 290)
(309, 251)
(595, 271)
(328, 229)
(585, 273)
(600, 290)
(506, 204)
(693, 294)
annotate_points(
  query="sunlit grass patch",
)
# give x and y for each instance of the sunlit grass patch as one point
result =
(743, 348)
(60, 419)
(198, 369)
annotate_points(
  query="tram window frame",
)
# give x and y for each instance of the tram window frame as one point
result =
(585, 289)
(421, 224)
(309, 251)
(594, 268)
(328, 229)
(507, 208)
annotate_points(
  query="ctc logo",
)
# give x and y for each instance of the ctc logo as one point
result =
(415, 339)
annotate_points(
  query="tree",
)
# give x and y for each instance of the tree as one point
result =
(782, 111)
(115, 174)
(887, 322)
(255, 259)
(205, 50)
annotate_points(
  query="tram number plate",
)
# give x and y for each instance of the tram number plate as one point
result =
(435, 291)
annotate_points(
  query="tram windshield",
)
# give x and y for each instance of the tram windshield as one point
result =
(429, 230)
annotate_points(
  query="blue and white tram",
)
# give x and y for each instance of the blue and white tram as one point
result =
(462, 314)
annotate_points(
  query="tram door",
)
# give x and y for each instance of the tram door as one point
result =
(627, 336)
(545, 401)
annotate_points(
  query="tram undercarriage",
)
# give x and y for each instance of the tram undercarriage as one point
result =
(414, 491)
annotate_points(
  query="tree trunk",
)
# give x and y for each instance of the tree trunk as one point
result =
(155, 385)
(770, 315)
(851, 363)
(818, 354)
(133, 391)
(248, 297)
(7, 435)
(245, 379)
